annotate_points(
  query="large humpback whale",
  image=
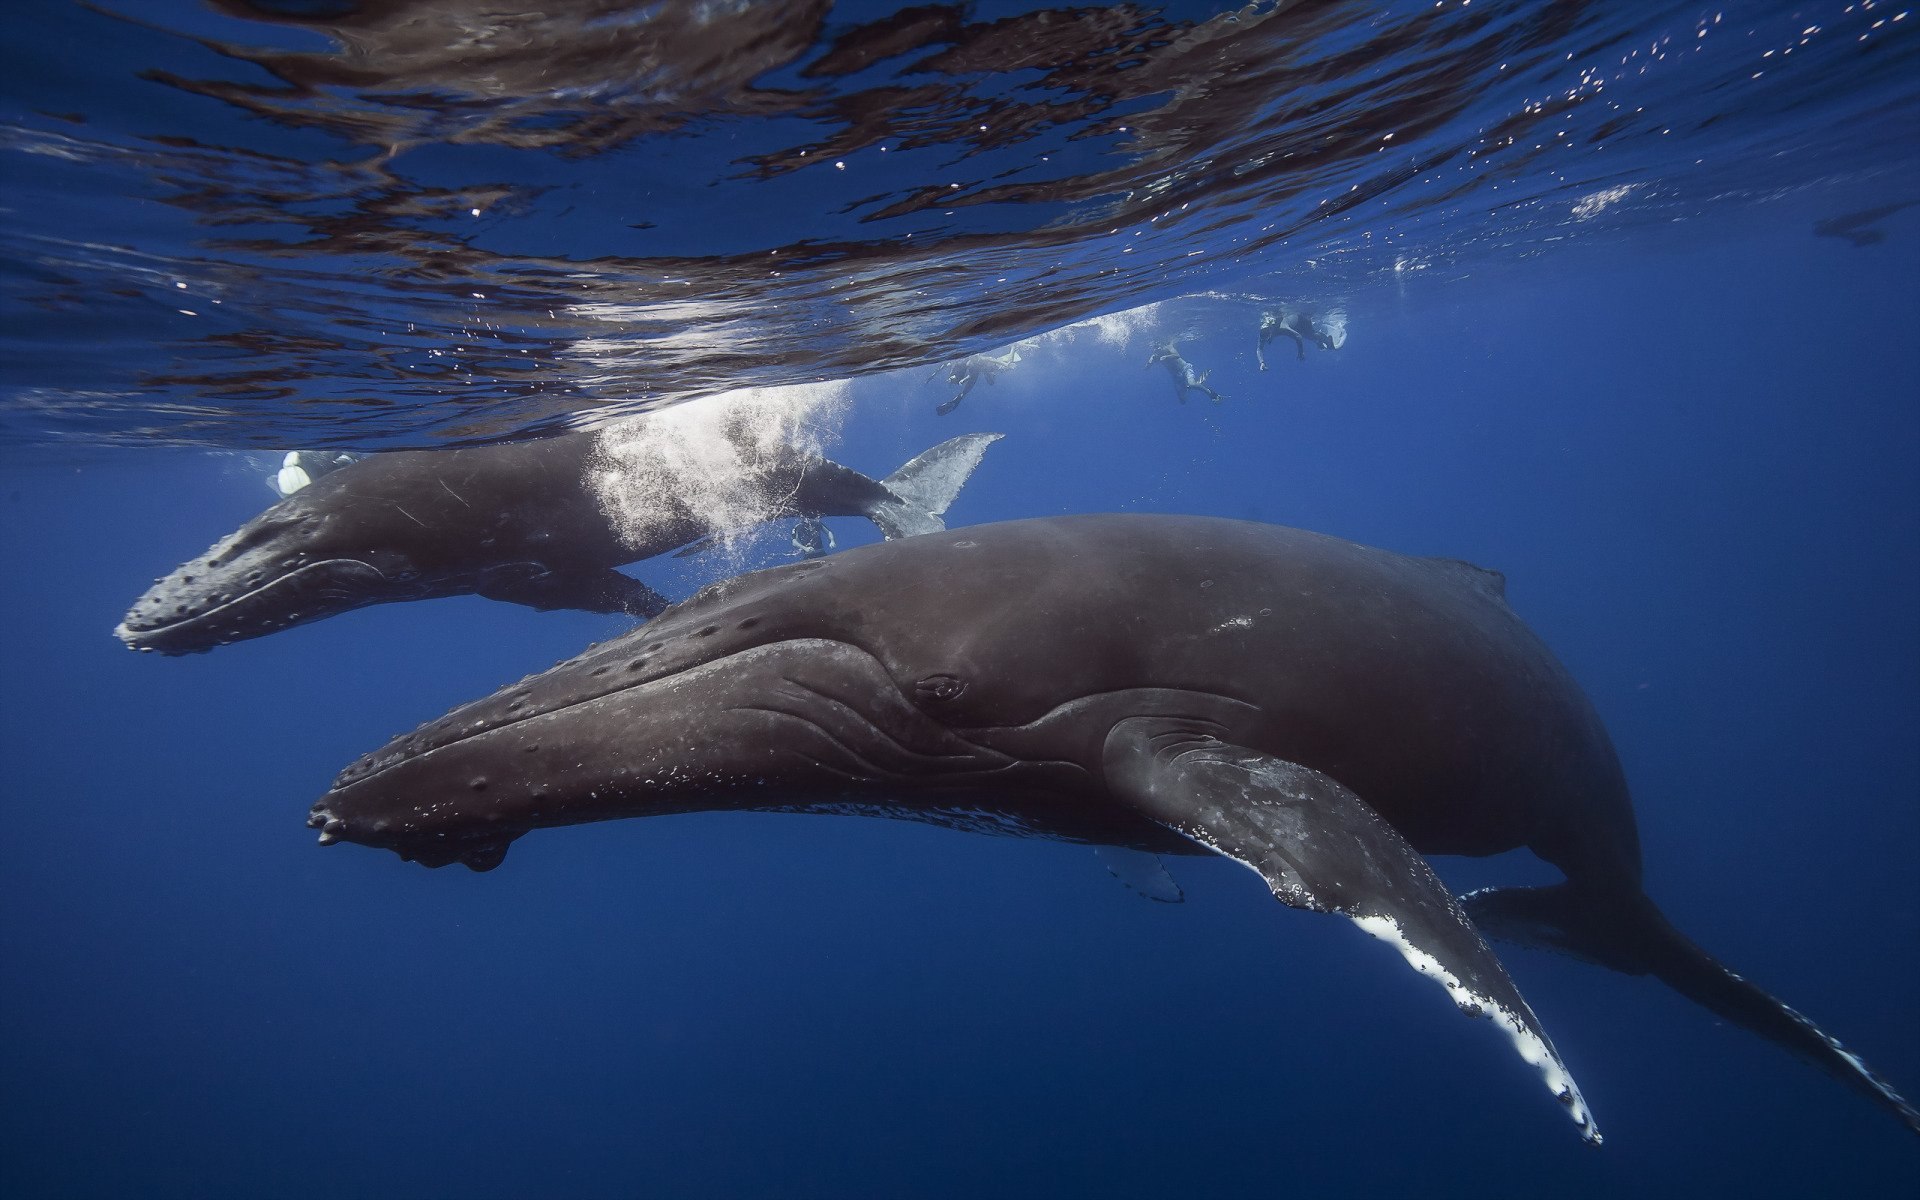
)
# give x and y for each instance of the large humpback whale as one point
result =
(526, 522)
(1322, 712)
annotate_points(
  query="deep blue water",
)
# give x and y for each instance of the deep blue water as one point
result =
(1689, 442)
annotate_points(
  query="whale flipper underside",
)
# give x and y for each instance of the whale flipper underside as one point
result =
(1320, 847)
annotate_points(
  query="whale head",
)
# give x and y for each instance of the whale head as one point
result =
(308, 557)
(725, 702)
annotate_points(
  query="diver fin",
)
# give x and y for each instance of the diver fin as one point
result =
(1320, 847)
(1627, 932)
(692, 548)
(946, 406)
(925, 487)
(602, 590)
(1142, 872)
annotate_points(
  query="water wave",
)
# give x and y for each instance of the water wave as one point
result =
(400, 222)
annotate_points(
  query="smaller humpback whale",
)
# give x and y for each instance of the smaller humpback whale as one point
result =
(524, 522)
(1185, 378)
(971, 370)
(1324, 713)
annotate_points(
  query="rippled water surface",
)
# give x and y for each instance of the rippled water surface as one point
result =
(254, 221)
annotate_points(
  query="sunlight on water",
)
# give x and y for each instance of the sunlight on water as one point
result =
(259, 223)
(1117, 330)
(1593, 204)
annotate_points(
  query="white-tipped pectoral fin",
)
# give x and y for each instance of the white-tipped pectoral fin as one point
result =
(1522, 1028)
(1320, 847)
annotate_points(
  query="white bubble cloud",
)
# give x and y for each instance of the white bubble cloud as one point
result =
(714, 468)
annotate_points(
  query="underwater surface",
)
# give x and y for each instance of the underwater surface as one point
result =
(1618, 300)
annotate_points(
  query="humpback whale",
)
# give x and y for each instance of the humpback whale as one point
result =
(524, 522)
(1322, 712)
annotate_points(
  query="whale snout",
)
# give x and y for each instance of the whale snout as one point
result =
(475, 852)
(665, 720)
(208, 601)
(587, 741)
(269, 575)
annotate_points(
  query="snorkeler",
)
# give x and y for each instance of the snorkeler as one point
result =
(812, 538)
(1296, 324)
(1184, 377)
(301, 467)
(971, 370)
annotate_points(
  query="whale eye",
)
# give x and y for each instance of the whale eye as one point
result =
(940, 688)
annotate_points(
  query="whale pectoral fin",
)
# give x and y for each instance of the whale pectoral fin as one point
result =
(602, 590)
(1320, 847)
(1142, 873)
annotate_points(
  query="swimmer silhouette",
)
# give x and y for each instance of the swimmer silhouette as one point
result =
(1185, 378)
(1291, 323)
(812, 538)
(971, 370)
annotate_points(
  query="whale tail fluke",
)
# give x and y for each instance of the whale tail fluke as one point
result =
(925, 487)
(1631, 935)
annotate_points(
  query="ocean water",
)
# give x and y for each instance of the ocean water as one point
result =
(1629, 315)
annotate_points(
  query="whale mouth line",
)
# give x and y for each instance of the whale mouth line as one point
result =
(133, 634)
(516, 719)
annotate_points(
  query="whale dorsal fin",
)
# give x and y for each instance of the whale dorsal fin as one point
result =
(1142, 872)
(1320, 847)
(1485, 579)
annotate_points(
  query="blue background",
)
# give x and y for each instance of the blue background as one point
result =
(1694, 458)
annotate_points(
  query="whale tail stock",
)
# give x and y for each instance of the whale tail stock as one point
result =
(921, 491)
(1629, 934)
